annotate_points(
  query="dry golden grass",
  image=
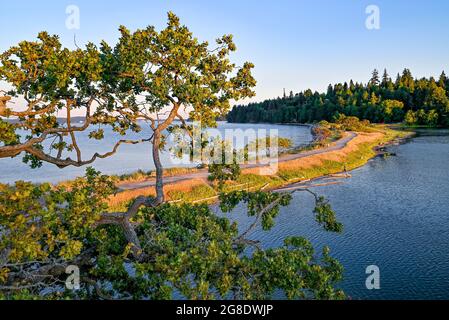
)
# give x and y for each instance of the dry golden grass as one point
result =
(169, 189)
(318, 159)
(337, 156)
(354, 154)
(179, 171)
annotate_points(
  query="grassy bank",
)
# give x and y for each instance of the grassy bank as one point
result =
(356, 154)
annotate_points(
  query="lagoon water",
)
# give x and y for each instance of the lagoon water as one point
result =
(131, 158)
(395, 213)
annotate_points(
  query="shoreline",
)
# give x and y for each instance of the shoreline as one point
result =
(194, 173)
(302, 168)
(347, 175)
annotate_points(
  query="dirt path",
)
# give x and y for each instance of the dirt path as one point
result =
(203, 174)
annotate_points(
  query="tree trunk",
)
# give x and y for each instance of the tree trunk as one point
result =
(159, 170)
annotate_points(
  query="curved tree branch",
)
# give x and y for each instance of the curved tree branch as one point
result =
(123, 219)
(14, 150)
(242, 238)
(63, 163)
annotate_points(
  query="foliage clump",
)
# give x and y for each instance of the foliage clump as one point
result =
(186, 250)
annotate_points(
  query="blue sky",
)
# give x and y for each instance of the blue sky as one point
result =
(295, 44)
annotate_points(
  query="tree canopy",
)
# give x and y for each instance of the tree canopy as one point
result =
(153, 250)
(186, 250)
(48, 81)
(163, 76)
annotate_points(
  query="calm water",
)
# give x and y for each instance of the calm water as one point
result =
(129, 158)
(395, 212)
(396, 216)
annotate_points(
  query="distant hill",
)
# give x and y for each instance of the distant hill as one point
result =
(60, 120)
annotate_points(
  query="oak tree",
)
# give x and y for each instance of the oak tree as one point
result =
(162, 76)
(153, 250)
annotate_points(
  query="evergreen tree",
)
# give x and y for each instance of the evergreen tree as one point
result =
(385, 79)
(375, 78)
(398, 80)
(443, 80)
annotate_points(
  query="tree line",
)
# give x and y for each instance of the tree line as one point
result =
(382, 100)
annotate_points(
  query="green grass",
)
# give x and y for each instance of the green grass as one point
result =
(327, 167)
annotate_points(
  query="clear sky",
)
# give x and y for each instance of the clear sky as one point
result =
(295, 44)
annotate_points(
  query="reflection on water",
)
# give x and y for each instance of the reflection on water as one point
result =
(129, 158)
(396, 216)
